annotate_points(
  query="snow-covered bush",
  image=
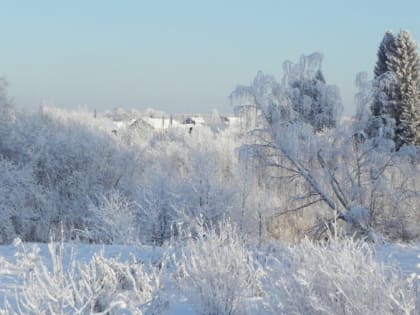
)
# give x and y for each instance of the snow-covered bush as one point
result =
(64, 156)
(217, 272)
(23, 204)
(112, 219)
(61, 285)
(213, 272)
(186, 176)
(338, 277)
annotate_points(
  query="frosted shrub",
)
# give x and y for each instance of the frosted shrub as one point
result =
(59, 285)
(339, 277)
(22, 204)
(112, 219)
(217, 272)
(128, 287)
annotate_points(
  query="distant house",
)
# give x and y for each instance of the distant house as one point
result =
(189, 121)
(224, 119)
(140, 125)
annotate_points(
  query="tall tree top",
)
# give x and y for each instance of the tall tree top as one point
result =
(405, 62)
(385, 50)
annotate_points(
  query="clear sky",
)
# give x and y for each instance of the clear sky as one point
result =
(183, 56)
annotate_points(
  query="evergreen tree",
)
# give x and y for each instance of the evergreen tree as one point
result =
(384, 93)
(396, 91)
(386, 49)
(382, 122)
(405, 63)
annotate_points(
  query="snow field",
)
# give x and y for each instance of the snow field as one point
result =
(215, 273)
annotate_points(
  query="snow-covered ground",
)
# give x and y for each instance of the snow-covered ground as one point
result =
(407, 257)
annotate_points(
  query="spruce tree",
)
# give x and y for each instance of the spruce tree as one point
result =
(386, 49)
(396, 104)
(382, 123)
(405, 63)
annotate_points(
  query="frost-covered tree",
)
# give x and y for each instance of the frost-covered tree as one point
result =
(385, 51)
(363, 100)
(303, 95)
(396, 91)
(405, 63)
(381, 121)
(331, 173)
(6, 114)
(317, 103)
(5, 103)
(384, 95)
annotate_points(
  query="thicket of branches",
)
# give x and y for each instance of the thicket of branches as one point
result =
(287, 167)
(215, 272)
(214, 197)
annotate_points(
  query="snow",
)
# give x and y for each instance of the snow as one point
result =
(358, 215)
(169, 180)
(84, 252)
(161, 123)
(81, 253)
(406, 256)
(165, 121)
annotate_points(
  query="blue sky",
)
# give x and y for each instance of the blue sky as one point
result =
(182, 56)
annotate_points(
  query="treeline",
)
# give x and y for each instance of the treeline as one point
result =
(290, 167)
